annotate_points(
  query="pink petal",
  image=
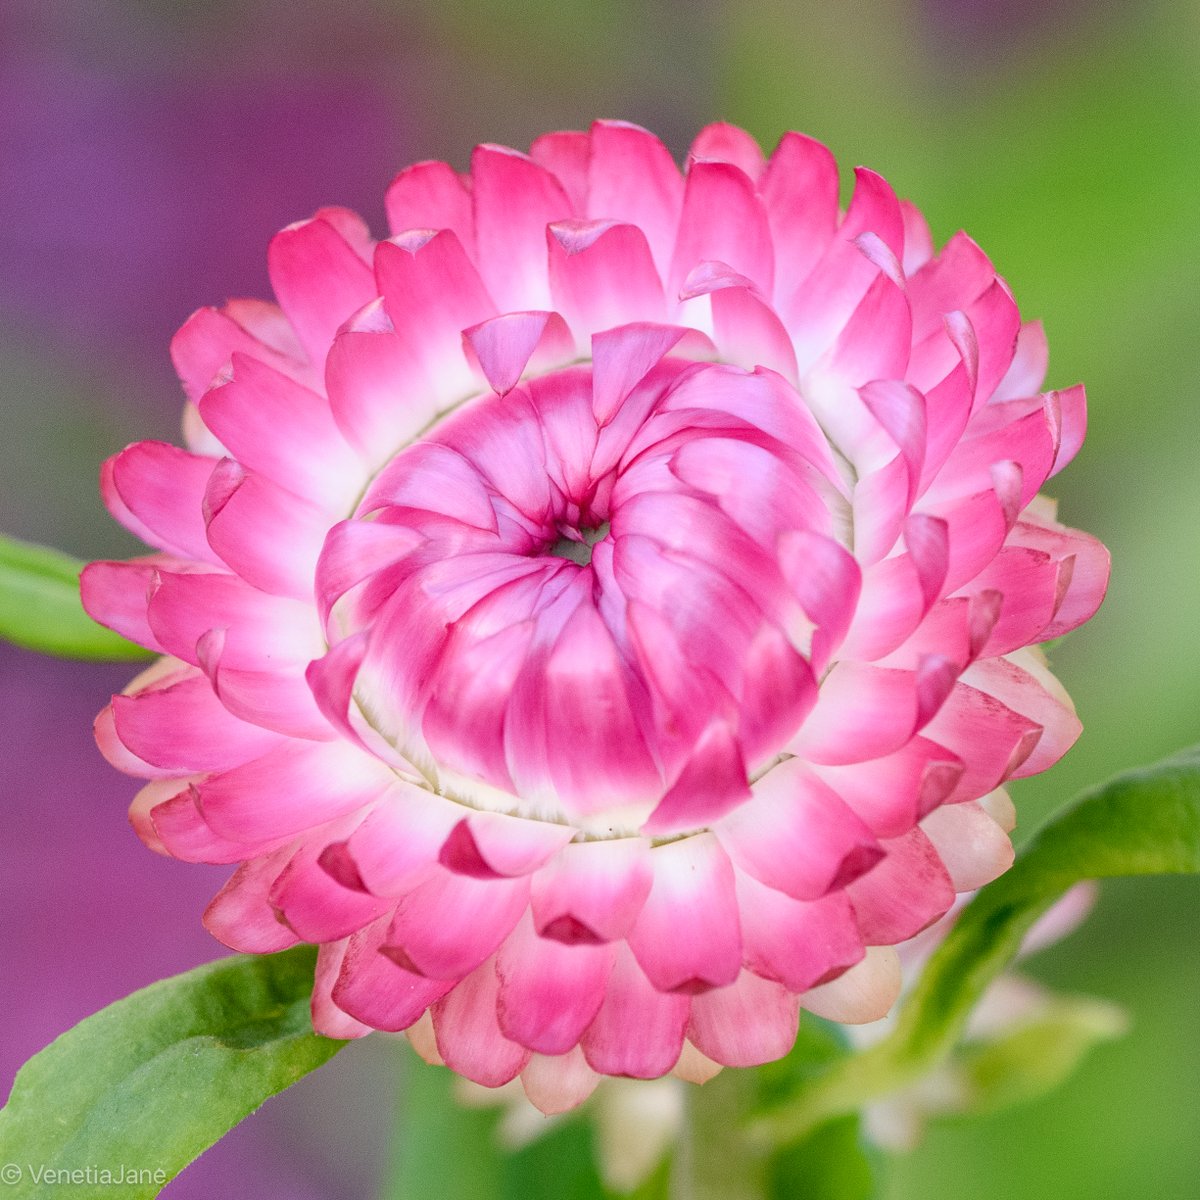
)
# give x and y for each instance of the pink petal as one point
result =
(261, 630)
(486, 845)
(278, 700)
(514, 200)
(183, 727)
(274, 426)
(430, 195)
(722, 142)
(633, 179)
(622, 358)
(1088, 579)
(891, 794)
(751, 1021)
(592, 891)
(314, 904)
(293, 787)
(712, 782)
(449, 924)
(875, 338)
(1029, 441)
(1030, 689)
(989, 738)
(376, 991)
(865, 712)
(686, 938)
(380, 393)
(432, 292)
(918, 244)
(639, 1030)
(329, 1020)
(549, 991)
(960, 274)
(397, 846)
(155, 491)
(796, 835)
(269, 537)
(321, 274)
(566, 155)
(800, 192)
(180, 828)
(602, 275)
(906, 891)
(797, 942)
(115, 594)
(208, 339)
(240, 914)
(826, 580)
(722, 220)
(874, 209)
(506, 346)
(469, 1037)
(1028, 370)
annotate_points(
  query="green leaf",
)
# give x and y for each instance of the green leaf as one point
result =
(150, 1082)
(1144, 822)
(40, 607)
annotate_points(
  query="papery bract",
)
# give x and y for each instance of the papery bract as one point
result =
(595, 613)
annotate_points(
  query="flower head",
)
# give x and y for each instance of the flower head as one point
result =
(594, 614)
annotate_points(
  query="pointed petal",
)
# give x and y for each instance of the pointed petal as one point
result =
(269, 537)
(505, 346)
(514, 200)
(633, 179)
(602, 275)
(274, 426)
(291, 788)
(972, 846)
(329, 1020)
(722, 220)
(592, 891)
(183, 727)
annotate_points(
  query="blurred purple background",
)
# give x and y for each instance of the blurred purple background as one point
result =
(141, 173)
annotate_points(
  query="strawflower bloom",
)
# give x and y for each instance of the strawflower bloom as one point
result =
(595, 614)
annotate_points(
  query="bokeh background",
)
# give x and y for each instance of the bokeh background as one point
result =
(149, 148)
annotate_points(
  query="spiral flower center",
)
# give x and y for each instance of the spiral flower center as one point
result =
(586, 610)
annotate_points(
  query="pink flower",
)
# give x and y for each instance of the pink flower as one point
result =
(594, 614)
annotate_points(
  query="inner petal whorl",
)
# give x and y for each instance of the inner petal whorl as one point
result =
(585, 598)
